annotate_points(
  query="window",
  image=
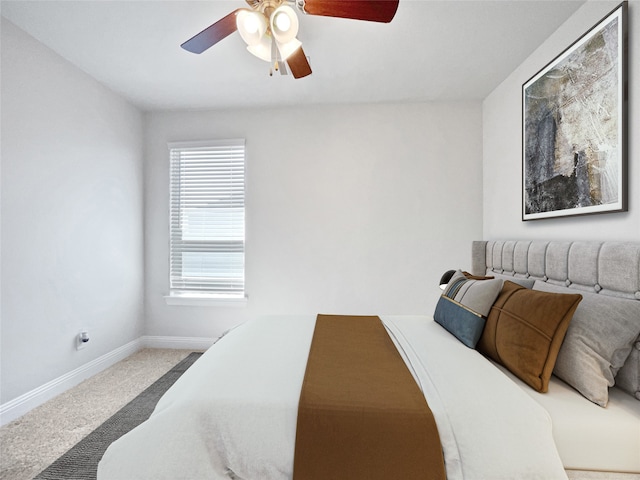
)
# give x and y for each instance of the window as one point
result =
(207, 219)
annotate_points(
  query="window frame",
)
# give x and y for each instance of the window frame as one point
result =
(202, 295)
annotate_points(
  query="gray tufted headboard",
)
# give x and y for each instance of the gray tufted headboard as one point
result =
(607, 268)
(604, 268)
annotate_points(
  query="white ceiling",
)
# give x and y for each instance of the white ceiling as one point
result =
(432, 50)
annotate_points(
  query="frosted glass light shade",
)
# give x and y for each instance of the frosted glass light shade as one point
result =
(284, 24)
(252, 26)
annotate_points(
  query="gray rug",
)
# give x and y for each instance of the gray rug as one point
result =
(81, 461)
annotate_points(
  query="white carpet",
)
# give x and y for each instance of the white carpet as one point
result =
(33, 441)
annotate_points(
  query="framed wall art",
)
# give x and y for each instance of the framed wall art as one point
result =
(574, 115)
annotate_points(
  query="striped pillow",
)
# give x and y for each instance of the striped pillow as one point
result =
(464, 306)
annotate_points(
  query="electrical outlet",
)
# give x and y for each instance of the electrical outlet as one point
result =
(82, 339)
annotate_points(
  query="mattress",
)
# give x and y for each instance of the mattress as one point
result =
(589, 437)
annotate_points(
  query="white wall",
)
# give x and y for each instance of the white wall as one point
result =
(72, 208)
(350, 209)
(502, 145)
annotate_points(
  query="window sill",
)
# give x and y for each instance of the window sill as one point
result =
(204, 300)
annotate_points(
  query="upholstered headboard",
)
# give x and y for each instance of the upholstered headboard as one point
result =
(606, 268)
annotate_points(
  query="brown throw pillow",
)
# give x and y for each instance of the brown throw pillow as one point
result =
(525, 329)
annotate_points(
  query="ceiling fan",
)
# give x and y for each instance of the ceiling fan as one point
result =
(270, 27)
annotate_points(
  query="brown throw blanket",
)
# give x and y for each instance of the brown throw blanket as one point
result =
(361, 413)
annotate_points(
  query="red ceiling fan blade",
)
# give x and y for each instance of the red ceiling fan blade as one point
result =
(212, 34)
(298, 64)
(370, 10)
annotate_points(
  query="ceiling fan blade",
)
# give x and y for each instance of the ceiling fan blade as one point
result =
(212, 34)
(370, 10)
(298, 64)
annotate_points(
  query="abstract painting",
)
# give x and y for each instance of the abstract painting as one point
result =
(574, 127)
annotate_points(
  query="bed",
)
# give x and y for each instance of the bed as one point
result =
(233, 414)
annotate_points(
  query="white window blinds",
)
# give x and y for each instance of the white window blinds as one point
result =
(207, 218)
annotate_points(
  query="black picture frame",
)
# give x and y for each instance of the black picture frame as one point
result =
(574, 126)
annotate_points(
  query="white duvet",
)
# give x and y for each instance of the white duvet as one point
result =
(232, 415)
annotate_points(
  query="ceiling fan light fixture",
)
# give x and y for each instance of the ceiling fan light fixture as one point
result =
(284, 24)
(252, 26)
(270, 27)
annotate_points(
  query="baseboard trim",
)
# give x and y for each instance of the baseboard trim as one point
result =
(179, 343)
(19, 406)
